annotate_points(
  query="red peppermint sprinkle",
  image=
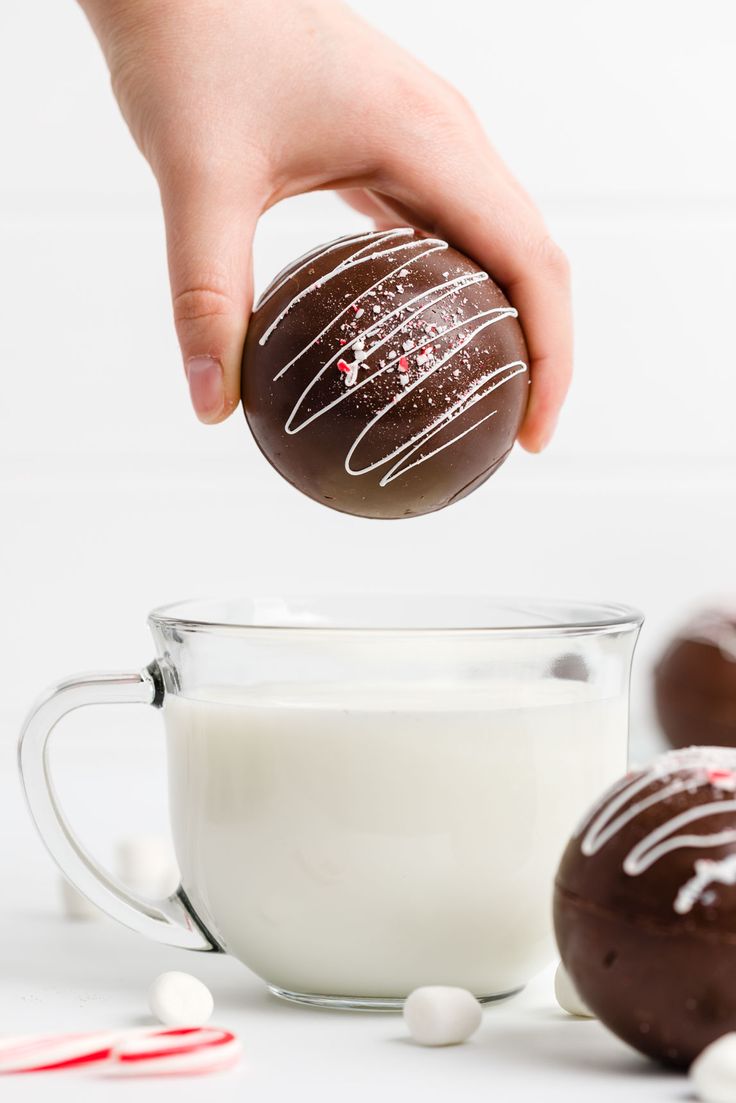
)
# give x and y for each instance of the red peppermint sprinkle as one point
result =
(343, 341)
(725, 780)
(403, 363)
(343, 366)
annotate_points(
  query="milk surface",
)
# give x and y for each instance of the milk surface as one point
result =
(363, 841)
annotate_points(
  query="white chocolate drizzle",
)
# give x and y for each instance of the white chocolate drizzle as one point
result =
(707, 873)
(679, 772)
(364, 371)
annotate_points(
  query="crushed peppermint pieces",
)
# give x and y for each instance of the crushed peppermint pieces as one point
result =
(722, 779)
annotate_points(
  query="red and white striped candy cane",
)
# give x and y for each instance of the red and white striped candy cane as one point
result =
(176, 1051)
(38, 1053)
(138, 1052)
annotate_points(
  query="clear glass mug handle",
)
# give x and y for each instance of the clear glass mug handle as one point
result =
(170, 920)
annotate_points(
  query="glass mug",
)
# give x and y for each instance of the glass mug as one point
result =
(366, 795)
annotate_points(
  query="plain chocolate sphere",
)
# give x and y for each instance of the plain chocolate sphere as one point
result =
(695, 682)
(385, 374)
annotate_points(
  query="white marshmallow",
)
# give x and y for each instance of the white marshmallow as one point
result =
(568, 996)
(147, 866)
(178, 999)
(74, 905)
(713, 1073)
(441, 1016)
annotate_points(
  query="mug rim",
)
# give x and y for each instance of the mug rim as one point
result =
(546, 616)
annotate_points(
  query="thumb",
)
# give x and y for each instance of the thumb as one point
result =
(209, 236)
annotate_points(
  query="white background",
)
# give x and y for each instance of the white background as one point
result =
(113, 498)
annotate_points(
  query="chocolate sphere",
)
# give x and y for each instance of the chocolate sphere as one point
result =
(695, 683)
(385, 374)
(645, 905)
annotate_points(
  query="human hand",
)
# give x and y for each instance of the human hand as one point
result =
(237, 104)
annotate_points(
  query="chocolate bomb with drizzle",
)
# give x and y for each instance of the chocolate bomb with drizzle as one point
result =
(645, 905)
(385, 374)
(695, 682)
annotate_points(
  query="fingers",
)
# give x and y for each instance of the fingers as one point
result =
(209, 233)
(540, 291)
(453, 181)
(361, 200)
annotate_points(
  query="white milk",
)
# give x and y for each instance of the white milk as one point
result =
(347, 842)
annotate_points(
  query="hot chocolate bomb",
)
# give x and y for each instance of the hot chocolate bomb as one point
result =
(385, 374)
(695, 682)
(645, 905)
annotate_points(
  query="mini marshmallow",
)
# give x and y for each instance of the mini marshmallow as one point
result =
(713, 1073)
(441, 1016)
(178, 999)
(74, 905)
(568, 996)
(146, 864)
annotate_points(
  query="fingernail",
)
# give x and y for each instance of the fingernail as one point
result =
(206, 386)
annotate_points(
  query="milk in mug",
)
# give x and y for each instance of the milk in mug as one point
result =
(343, 840)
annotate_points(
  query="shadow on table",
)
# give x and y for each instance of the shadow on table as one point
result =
(545, 1039)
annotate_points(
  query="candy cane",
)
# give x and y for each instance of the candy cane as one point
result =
(124, 1052)
(38, 1053)
(177, 1051)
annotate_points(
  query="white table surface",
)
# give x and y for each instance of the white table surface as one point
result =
(90, 976)
(60, 974)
